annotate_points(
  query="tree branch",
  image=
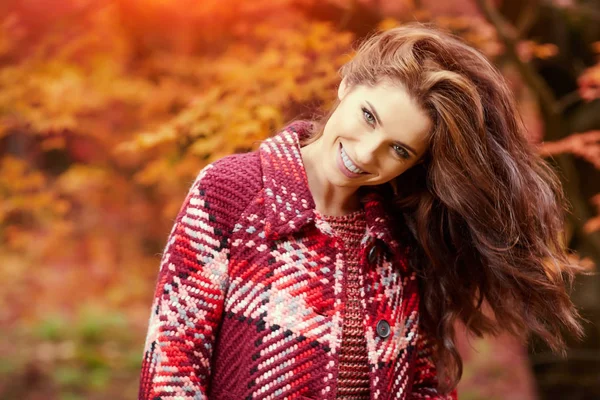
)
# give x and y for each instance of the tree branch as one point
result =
(527, 17)
(509, 37)
(553, 122)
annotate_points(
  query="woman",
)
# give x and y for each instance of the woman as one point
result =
(334, 261)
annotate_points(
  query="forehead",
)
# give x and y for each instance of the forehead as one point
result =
(400, 116)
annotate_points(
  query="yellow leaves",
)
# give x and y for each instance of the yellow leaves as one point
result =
(52, 95)
(147, 140)
(459, 22)
(16, 177)
(268, 113)
(150, 119)
(162, 115)
(164, 136)
(528, 50)
(271, 58)
(117, 83)
(322, 37)
(251, 87)
(546, 50)
(81, 179)
(26, 199)
(153, 172)
(388, 23)
(202, 127)
(223, 126)
(316, 39)
(52, 143)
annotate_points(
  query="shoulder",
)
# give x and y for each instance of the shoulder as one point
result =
(242, 170)
(228, 185)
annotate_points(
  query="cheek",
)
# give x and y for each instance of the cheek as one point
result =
(345, 121)
(390, 171)
(337, 125)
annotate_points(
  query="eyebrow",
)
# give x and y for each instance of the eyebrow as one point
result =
(379, 121)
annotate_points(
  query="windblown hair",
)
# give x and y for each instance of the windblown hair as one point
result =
(487, 213)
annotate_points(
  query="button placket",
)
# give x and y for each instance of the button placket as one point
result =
(383, 328)
(373, 252)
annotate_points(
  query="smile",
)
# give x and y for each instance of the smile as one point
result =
(350, 167)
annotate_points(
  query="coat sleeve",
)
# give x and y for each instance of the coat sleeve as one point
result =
(188, 301)
(426, 379)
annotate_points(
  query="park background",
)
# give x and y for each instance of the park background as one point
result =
(109, 109)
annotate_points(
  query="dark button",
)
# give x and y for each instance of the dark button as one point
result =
(372, 256)
(383, 329)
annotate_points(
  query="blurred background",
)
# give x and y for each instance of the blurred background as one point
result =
(109, 108)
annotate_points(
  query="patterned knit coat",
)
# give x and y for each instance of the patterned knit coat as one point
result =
(250, 297)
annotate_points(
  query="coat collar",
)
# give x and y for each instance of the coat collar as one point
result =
(289, 204)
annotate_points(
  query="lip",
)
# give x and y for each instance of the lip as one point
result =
(343, 168)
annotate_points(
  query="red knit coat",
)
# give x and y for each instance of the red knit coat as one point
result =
(250, 297)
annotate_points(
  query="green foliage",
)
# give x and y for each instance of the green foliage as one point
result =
(51, 329)
(85, 353)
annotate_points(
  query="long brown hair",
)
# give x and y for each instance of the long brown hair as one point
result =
(487, 212)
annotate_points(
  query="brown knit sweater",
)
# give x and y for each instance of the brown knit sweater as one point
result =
(353, 381)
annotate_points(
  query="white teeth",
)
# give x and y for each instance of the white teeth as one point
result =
(349, 164)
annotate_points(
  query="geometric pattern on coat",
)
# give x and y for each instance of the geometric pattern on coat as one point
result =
(250, 295)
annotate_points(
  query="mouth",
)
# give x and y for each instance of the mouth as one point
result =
(347, 165)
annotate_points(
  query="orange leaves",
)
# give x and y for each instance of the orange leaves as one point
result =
(28, 203)
(129, 99)
(17, 178)
(585, 145)
(471, 27)
(589, 83)
(589, 80)
(240, 96)
(80, 179)
(388, 23)
(10, 33)
(147, 140)
(476, 31)
(528, 50)
(322, 38)
(25, 191)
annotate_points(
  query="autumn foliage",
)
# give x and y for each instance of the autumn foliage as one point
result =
(109, 108)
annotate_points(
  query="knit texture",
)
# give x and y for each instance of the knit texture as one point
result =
(353, 381)
(251, 293)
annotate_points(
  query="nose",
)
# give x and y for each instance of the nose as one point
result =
(366, 151)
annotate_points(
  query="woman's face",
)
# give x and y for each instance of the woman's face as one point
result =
(375, 134)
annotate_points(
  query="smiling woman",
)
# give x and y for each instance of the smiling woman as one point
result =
(485, 212)
(375, 134)
(295, 272)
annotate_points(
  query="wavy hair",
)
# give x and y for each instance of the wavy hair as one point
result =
(487, 213)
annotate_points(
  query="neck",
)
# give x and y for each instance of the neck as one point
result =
(329, 199)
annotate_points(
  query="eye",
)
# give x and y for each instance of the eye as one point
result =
(401, 151)
(368, 116)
